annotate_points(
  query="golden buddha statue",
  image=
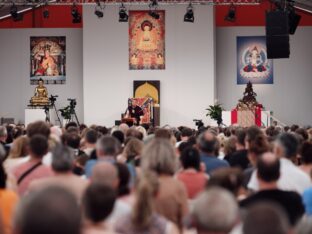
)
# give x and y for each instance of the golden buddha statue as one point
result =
(41, 95)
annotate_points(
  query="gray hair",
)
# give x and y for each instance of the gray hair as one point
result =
(289, 142)
(3, 131)
(108, 145)
(2, 153)
(63, 158)
(159, 156)
(215, 210)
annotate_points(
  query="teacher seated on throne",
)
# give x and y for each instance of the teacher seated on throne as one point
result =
(134, 111)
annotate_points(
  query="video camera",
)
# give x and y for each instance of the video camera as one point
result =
(52, 98)
(72, 102)
(199, 123)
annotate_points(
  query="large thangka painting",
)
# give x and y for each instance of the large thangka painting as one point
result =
(252, 62)
(146, 41)
(48, 60)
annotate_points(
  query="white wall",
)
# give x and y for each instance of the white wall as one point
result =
(15, 88)
(290, 97)
(187, 84)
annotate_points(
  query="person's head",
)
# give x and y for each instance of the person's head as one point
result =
(306, 153)
(38, 146)
(268, 168)
(230, 145)
(38, 127)
(40, 82)
(123, 178)
(146, 190)
(53, 210)
(256, 147)
(207, 142)
(91, 137)
(251, 134)
(132, 132)
(105, 173)
(264, 218)
(186, 133)
(71, 124)
(3, 134)
(62, 159)
(71, 140)
(133, 148)
(102, 130)
(286, 146)
(124, 128)
(230, 179)
(163, 133)
(107, 146)
(215, 211)
(98, 202)
(240, 136)
(119, 135)
(190, 158)
(159, 156)
(19, 147)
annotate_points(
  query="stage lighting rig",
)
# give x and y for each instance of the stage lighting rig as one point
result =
(98, 11)
(189, 15)
(75, 14)
(14, 13)
(123, 16)
(231, 15)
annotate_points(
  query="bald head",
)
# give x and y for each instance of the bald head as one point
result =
(105, 173)
(268, 166)
(124, 128)
(207, 142)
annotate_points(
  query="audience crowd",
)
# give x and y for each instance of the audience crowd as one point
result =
(151, 180)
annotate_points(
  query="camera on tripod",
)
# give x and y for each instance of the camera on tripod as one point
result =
(52, 99)
(199, 123)
(72, 102)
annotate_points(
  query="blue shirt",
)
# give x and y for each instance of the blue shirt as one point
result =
(307, 201)
(212, 163)
(92, 162)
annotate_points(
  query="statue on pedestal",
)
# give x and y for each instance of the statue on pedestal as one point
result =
(41, 95)
(249, 100)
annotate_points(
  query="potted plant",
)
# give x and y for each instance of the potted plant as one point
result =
(215, 113)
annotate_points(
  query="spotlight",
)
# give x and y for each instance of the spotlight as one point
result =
(231, 15)
(98, 11)
(75, 14)
(14, 13)
(123, 16)
(46, 12)
(189, 15)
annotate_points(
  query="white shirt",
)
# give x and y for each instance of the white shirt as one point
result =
(292, 178)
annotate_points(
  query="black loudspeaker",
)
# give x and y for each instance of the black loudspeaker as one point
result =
(294, 20)
(277, 34)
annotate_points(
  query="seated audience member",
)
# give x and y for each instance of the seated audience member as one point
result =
(119, 135)
(132, 132)
(72, 140)
(307, 201)
(8, 199)
(124, 180)
(34, 168)
(207, 144)
(256, 147)
(53, 210)
(132, 151)
(90, 141)
(230, 179)
(3, 141)
(106, 173)
(79, 165)
(266, 218)
(62, 166)
(171, 201)
(41, 128)
(229, 147)
(163, 133)
(17, 155)
(107, 148)
(214, 211)
(144, 218)
(240, 157)
(186, 133)
(124, 128)
(71, 124)
(306, 158)
(268, 173)
(98, 203)
(291, 177)
(193, 179)
(305, 226)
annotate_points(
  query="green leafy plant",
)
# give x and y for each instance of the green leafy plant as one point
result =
(215, 113)
(65, 112)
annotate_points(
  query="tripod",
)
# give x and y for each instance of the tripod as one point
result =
(53, 99)
(47, 113)
(73, 115)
